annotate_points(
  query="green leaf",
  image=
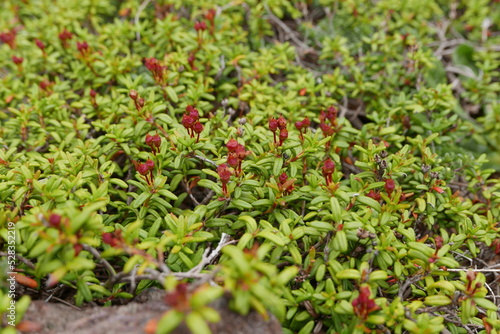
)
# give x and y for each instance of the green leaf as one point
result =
(321, 226)
(438, 300)
(271, 237)
(348, 274)
(464, 55)
(238, 258)
(170, 321)
(84, 289)
(335, 209)
(139, 201)
(171, 94)
(486, 304)
(242, 205)
(369, 202)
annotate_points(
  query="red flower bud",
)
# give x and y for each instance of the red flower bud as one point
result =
(200, 26)
(65, 35)
(148, 140)
(389, 186)
(198, 127)
(224, 173)
(438, 240)
(471, 275)
(232, 160)
(110, 239)
(9, 38)
(93, 93)
(133, 94)
(156, 140)
(327, 130)
(150, 165)
(194, 113)
(364, 305)
(374, 195)
(232, 145)
(82, 47)
(152, 64)
(242, 153)
(45, 84)
(40, 44)
(142, 169)
(283, 177)
(188, 121)
(17, 60)
(306, 123)
(328, 166)
(140, 102)
(55, 220)
(210, 15)
(283, 135)
(282, 122)
(189, 108)
(273, 124)
(332, 112)
(299, 125)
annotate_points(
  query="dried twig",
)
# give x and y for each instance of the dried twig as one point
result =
(487, 270)
(141, 8)
(192, 155)
(104, 262)
(207, 258)
(402, 290)
(290, 33)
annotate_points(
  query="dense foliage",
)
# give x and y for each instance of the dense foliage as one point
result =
(325, 160)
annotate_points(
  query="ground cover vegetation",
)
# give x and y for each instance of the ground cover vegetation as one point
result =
(333, 163)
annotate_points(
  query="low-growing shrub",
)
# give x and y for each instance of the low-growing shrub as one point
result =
(334, 163)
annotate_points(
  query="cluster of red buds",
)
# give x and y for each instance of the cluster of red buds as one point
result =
(154, 142)
(191, 121)
(374, 194)
(138, 101)
(330, 115)
(274, 125)
(302, 126)
(285, 184)
(9, 38)
(146, 169)
(64, 37)
(200, 26)
(41, 46)
(83, 48)
(224, 174)
(114, 239)
(157, 69)
(328, 169)
(237, 154)
(364, 305)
